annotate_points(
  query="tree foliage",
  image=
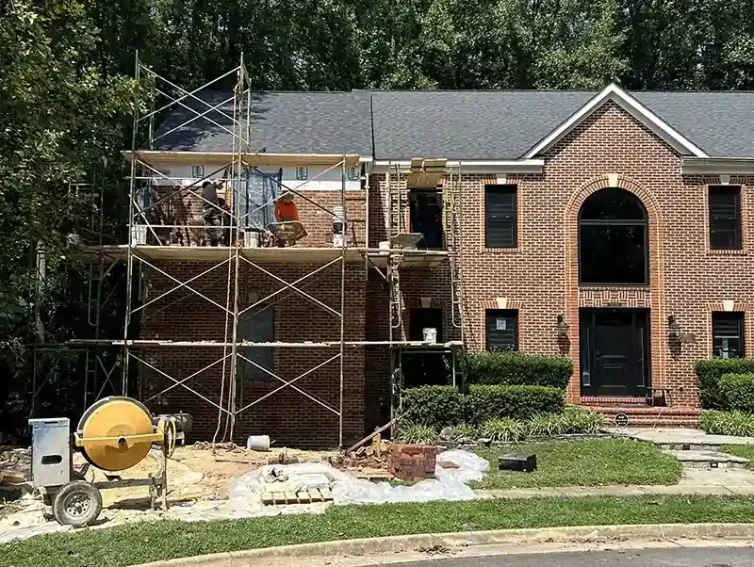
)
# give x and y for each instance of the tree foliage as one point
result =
(66, 92)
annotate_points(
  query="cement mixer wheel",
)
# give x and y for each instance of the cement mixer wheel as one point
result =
(77, 504)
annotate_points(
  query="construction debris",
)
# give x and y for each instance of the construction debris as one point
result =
(15, 466)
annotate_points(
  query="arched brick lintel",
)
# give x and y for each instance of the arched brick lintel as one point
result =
(658, 324)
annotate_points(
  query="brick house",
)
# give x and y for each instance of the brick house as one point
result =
(614, 228)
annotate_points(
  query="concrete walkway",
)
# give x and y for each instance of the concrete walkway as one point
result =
(695, 482)
(679, 436)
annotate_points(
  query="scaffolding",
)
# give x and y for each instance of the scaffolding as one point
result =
(154, 240)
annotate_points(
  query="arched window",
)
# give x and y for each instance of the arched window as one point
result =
(613, 247)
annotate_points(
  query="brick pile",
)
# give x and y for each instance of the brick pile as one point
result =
(413, 462)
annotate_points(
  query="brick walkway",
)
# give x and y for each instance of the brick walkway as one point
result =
(720, 482)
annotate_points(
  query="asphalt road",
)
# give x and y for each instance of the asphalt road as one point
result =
(690, 557)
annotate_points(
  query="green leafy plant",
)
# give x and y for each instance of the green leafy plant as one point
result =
(436, 406)
(572, 420)
(709, 372)
(484, 403)
(516, 368)
(505, 430)
(727, 423)
(416, 433)
(461, 432)
(737, 392)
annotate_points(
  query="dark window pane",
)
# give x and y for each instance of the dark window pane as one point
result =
(728, 334)
(502, 329)
(725, 217)
(256, 327)
(500, 221)
(613, 239)
(613, 254)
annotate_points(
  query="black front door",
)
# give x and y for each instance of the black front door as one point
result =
(614, 352)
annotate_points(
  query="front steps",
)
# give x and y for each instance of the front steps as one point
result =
(707, 459)
(640, 415)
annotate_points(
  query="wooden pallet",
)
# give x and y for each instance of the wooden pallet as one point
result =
(274, 498)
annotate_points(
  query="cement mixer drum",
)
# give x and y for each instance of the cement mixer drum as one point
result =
(115, 433)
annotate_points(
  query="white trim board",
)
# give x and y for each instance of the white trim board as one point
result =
(521, 166)
(628, 103)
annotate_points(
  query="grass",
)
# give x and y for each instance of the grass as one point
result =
(152, 541)
(584, 463)
(745, 451)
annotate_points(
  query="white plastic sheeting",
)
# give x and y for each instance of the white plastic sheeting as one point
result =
(449, 484)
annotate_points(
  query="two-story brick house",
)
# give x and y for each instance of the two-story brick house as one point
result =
(614, 228)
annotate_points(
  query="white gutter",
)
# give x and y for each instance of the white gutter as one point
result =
(473, 166)
(717, 166)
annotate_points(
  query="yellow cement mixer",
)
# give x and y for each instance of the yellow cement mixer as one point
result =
(113, 434)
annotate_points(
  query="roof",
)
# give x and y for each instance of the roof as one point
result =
(467, 125)
(281, 122)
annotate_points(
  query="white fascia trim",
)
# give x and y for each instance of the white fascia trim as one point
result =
(634, 108)
(717, 166)
(472, 166)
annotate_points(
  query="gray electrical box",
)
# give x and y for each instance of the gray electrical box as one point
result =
(50, 452)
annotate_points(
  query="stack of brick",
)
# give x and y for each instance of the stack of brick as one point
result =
(413, 462)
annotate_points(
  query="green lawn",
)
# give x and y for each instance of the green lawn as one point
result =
(584, 463)
(151, 541)
(745, 451)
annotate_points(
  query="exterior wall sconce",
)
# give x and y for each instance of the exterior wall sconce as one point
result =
(562, 327)
(674, 329)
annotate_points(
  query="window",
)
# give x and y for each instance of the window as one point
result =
(502, 329)
(725, 218)
(501, 209)
(613, 247)
(256, 326)
(728, 335)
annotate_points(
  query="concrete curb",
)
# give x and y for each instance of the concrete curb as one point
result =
(398, 544)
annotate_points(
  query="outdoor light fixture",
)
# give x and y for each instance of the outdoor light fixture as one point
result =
(674, 329)
(562, 327)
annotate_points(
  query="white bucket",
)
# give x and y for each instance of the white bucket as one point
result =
(139, 234)
(251, 239)
(337, 240)
(258, 443)
(430, 335)
(384, 245)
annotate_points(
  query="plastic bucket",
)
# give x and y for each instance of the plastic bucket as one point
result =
(251, 239)
(258, 443)
(430, 335)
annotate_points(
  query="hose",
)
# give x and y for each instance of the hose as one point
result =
(171, 436)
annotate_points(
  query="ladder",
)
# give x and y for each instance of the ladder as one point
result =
(452, 227)
(395, 208)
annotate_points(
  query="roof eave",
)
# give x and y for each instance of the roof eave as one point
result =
(614, 93)
(520, 166)
(717, 166)
(252, 159)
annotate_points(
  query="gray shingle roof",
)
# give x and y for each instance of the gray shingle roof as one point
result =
(481, 125)
(281, 122)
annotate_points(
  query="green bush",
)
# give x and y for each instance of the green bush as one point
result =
(506, 430)
(727, 423)
(737, 392)
(415, 433)
(516, 368)
(436, 406)
(485, 403)
(572, 420)
(709, 372)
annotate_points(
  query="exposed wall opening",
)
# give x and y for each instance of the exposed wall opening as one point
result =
(423, 366)
(613, 239)
(426, 218)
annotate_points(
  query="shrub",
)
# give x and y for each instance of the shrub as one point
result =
(436, 406)
(709, 372)
(515, 368)
(484, 403)
(727, 423)
(505, 429)
(572, 420)
(737, 392)
(415, 433)
(459, 432)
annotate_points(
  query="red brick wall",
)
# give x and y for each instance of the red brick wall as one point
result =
(287, 416)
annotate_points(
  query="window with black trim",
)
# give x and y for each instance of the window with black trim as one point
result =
(613, 240)
(728, 334)
(501, 209)
(258, 327)
(502, 329)
(725, 218)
